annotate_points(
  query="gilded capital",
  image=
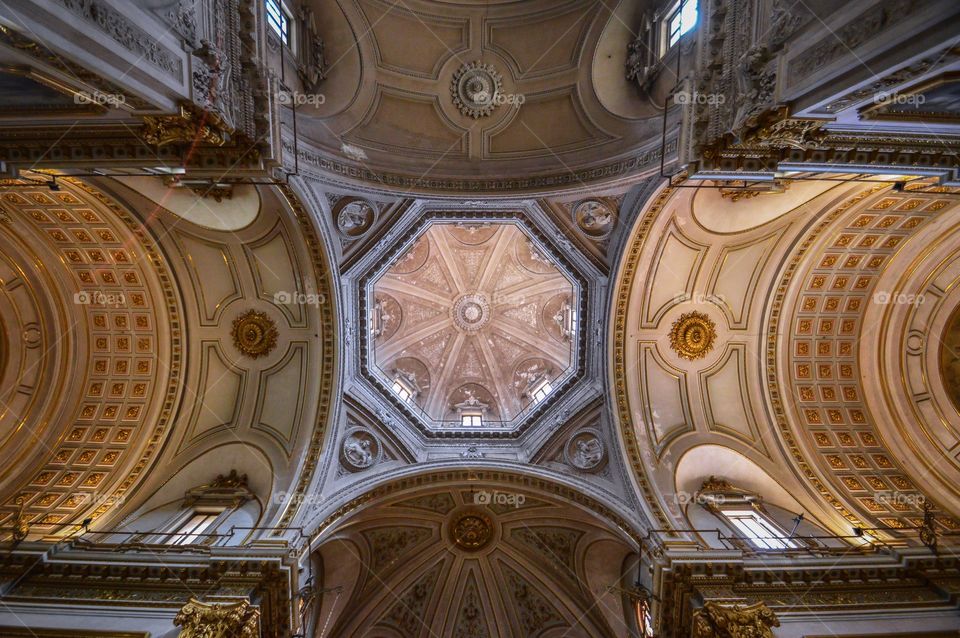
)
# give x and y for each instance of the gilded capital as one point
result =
(200, 620)
(717, 621)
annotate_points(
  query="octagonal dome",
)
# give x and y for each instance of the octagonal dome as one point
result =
(472, 326)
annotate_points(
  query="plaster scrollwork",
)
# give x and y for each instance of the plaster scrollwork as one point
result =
(360, 449)
(717, 621)
(472, 452)
(312, 70)
(202, 620)
(585, 450)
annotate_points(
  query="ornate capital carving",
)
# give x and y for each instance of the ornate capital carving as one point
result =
(200, 620)
(189, 126)
(716, 621)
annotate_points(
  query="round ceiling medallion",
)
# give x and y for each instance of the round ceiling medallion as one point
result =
(474, 88)
(254, 334)
(692, 335)
(471, 312)
(594, 217)
(471, 531)
(950, 357)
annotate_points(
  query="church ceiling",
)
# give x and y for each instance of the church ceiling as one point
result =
(475, 316)
(474, 563)
(435, 89)
(803, 306)
(165, 341)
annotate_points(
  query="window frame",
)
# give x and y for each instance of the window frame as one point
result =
(471, 419)
(775, 538)
(675, 12)
(287, 39)
(403, 390)
(542, 392)
(744, 514)
(177, 536)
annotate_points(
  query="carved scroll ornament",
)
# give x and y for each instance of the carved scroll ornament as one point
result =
(200, 620)
(716, 621)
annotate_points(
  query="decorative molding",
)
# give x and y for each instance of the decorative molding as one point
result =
(327, 364)
(49, 57)
(475, 88)
(472, 530)
(254, 334)
(201, 620)
(124, 32)
(715, 621)
(634, 448)
(190, 126)
(331, 169)
(692, 335)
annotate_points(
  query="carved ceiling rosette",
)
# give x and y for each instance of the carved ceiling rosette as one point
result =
(692, 335)
(254, 334)
(475, 88)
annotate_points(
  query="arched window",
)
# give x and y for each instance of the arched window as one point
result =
(204, 510)
(744, 513)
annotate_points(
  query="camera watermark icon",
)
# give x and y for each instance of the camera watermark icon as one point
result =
(498, 98)
(92, 499)
(99, 298)
(899, 99)
(699, 298)
(292, 498)
(297, 298)
(484, 497)
(695, 97)
(296, 98)
(895, 499)
(695, 498)
(100, 98)
(884, 297)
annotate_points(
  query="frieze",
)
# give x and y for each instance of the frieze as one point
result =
(327, 165)
(124, 32)
(844, 40)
